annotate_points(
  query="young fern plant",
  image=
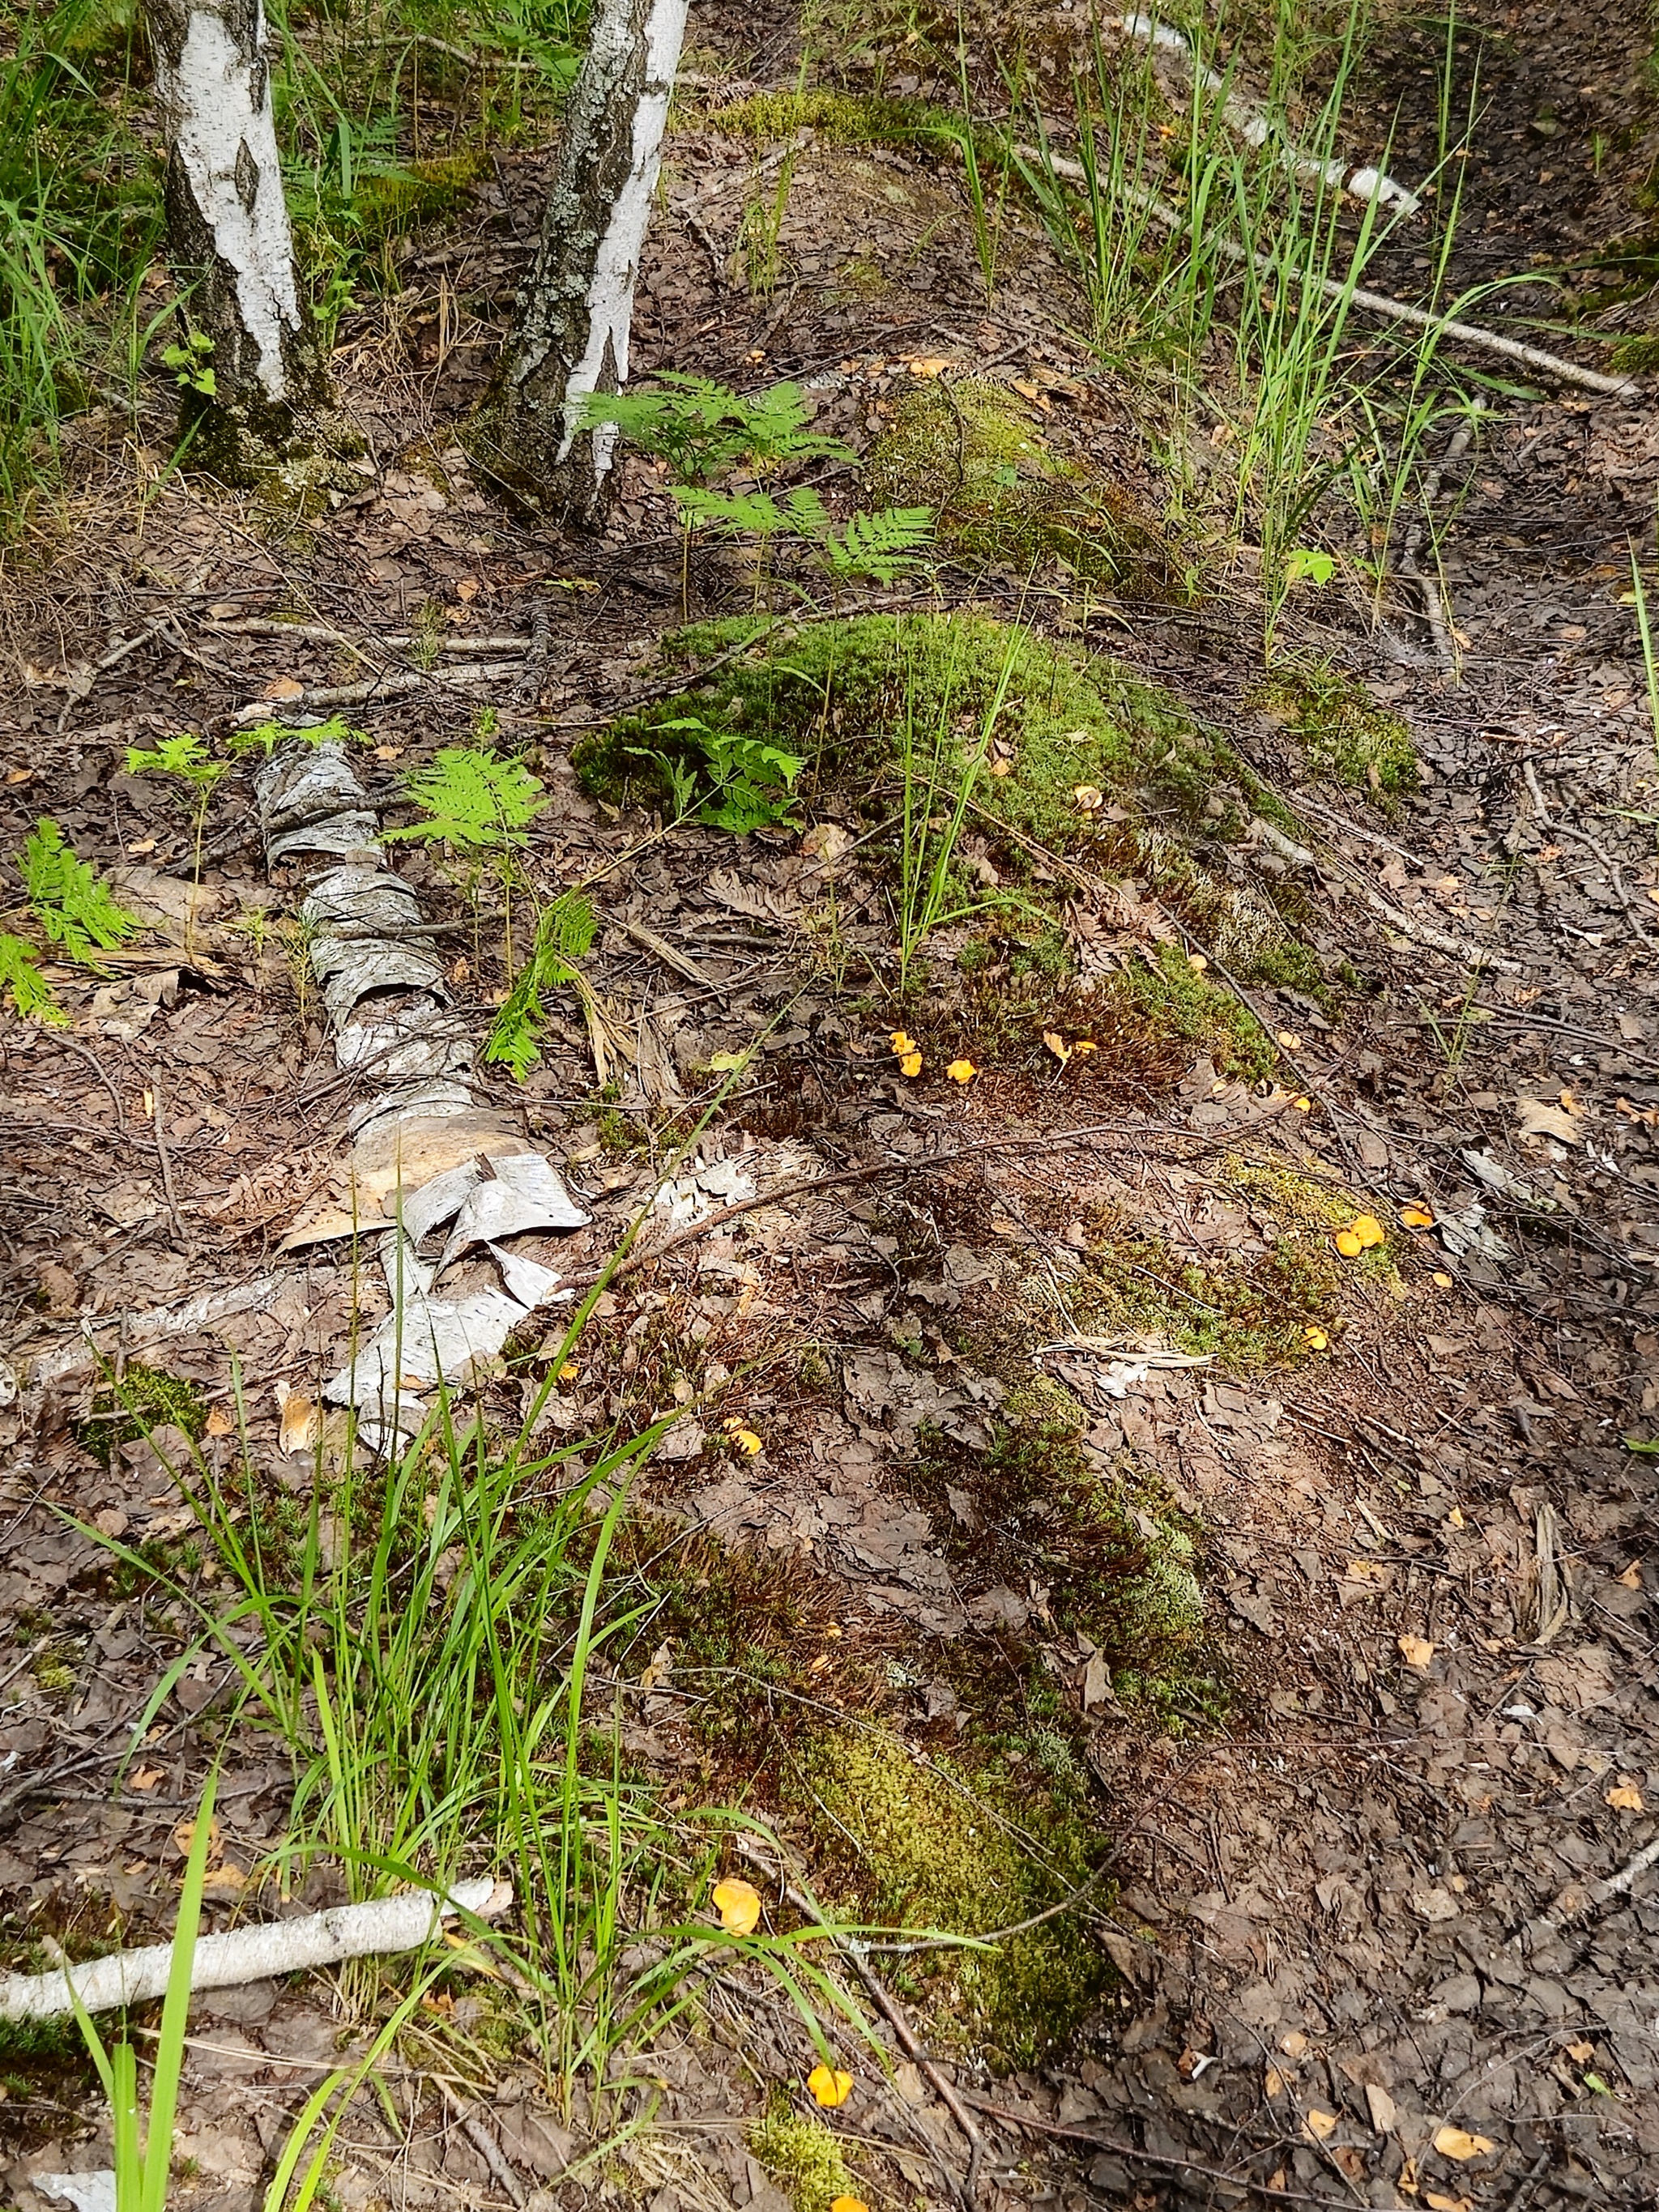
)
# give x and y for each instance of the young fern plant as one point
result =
(478, 803)
(564, 935)
(73, 911)
(186, 757)
(882, 546)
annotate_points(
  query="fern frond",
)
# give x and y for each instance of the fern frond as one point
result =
(883, 545)
(21, 981)
(185, 756)
(66, 898)
(565, 931)
(269, 735)
(472, 798)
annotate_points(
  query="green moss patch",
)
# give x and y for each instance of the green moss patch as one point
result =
(839, 119)
(1079, 776)
(1342, 730)
(800, 2154)
(1251, 1313)
(922, 1845)
(145, 1399)
(1004, 491)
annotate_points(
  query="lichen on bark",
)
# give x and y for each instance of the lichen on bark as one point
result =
(576, 311)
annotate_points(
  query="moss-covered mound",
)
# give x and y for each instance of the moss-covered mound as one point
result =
(1004, 491)
(923, 1846)
(1073, 773)
(1342, 730)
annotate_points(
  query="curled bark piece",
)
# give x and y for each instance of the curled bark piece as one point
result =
(253, 1955)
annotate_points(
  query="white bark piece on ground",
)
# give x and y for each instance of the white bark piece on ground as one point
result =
(422, 1342)
(574, 330)
(525, 1192)
(254, 1954)
(87, 2192)
(196, 1314)
(527, 1281)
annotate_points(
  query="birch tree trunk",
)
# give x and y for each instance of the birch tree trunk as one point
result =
(254, 385)
(575, 312)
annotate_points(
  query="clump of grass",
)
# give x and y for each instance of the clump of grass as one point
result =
(800, 2154)
(1342, 730)
(1004, 492)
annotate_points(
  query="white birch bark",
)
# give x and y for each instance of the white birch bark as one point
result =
(576, 311)
(228, 235)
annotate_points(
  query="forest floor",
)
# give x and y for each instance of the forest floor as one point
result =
(1336, 1722)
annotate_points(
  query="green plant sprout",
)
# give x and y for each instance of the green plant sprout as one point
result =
(192, 364)
(144, 2152)
(267, 736)
(564, 933)
(75, 910)
(883, 545)
(703, 430)
(22, 983)
(476, 802)
(76, 913)
(750, 780)
(186, 757)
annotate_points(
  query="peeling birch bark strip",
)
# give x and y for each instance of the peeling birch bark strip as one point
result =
(254, 1954)
(574, 328)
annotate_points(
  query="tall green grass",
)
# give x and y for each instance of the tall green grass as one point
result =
(437, 1640)
(80, 215)
(1207, 266)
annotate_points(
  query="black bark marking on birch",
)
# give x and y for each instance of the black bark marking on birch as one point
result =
(523, 436)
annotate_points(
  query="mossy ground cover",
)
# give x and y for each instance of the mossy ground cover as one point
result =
(1006, 492)
(1078, 774)
(964, 1848)
(1342, 730)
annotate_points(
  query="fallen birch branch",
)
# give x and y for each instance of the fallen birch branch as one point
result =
(1367, 183)
(1376, 303)
(253, 1955)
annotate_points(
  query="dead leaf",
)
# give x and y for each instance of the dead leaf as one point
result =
(1540, 1117)
(1578, 2052)
(1295, 2044)
(1459, 2143)
(225, 1882)
(1382, 2108)
(739, 1904)
(1441, 2203)
(283, 687)
(1057, 1045)
(298, 1430)
(1275, 2083)
(1416, 1650)
(1321, 2125)
(1631, 1577)
(185, 1835)
(1627, 1797)
(220, 1421)
(148, 1777)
